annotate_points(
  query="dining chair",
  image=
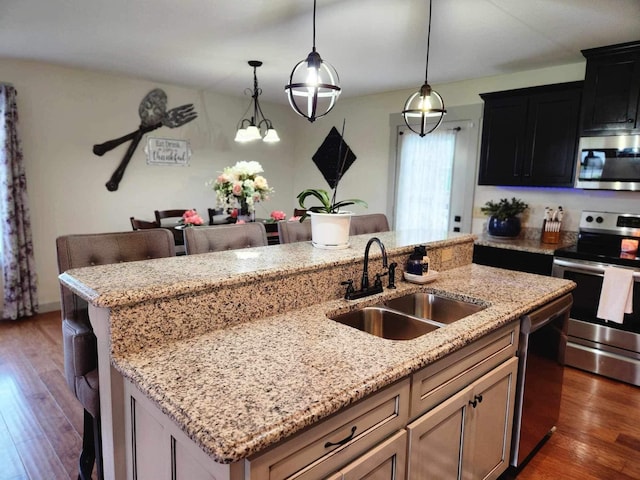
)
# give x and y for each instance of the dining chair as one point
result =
(79, 342)
(370, 223)
(224, 237)
(291, 232)
(298, 212)
(212, 213)
(137, 224)
(171, 219)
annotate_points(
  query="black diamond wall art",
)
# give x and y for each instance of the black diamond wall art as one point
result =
(329, 156)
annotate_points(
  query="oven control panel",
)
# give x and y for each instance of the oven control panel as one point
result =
(612, 223)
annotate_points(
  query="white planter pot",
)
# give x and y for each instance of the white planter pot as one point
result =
(330, 230)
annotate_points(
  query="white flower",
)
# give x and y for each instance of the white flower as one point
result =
(261, 182)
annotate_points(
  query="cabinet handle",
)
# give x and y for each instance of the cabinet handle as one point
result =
(476, 400)
(343, 441)
(630, 120)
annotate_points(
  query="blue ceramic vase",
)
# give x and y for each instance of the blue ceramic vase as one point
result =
(509, 227)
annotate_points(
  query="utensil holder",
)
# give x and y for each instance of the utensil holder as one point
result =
(551, 231)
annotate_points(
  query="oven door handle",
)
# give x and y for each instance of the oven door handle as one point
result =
(581, 267)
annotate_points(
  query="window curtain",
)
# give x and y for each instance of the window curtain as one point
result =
(18, 266)
(424, 182)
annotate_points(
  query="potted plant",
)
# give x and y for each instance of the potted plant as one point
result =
(329, 223)
(503, 216)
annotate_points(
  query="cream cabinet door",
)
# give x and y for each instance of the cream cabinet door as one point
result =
(486, 454)
(435, 440)
(387, 461)
(467, 436)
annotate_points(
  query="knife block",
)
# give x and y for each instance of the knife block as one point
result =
(551, 231)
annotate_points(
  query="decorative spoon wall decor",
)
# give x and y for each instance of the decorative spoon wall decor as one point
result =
(153, 114)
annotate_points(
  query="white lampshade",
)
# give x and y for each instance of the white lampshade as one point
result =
(241, 135)
(271, 136)
(252, 133)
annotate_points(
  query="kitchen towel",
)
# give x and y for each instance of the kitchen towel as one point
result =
(616, 296)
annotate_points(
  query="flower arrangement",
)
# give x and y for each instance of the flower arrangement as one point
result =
(191, 217)
(278, 216)
(241, 186)
(504, 208)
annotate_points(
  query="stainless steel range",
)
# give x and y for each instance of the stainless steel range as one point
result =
(607, 348)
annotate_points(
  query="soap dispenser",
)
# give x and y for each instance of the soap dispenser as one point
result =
(414, 264)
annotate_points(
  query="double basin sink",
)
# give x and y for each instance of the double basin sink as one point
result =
(408, 317)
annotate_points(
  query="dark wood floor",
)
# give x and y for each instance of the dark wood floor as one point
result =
(598, 436)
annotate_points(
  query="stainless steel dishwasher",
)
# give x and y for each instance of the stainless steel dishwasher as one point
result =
(543, 341)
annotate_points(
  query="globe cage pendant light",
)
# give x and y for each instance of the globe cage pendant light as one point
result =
(314, 85)
(251, 129)
(426, 105)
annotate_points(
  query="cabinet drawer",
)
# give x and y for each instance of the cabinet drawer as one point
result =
(442, 379)
(326, 447)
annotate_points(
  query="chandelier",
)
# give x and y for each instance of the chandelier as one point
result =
(425, 106)
(314, 85)
(257, 126)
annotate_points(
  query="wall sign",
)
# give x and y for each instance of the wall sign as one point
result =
(167, 151)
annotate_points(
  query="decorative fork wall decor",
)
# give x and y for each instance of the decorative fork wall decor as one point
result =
(153, 114)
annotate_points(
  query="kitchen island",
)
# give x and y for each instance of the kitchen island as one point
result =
(237, 350)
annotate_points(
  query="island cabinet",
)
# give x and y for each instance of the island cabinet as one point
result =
(530, 136)
(346, 445)
(450, 419)
(611, 90)
(465, 434)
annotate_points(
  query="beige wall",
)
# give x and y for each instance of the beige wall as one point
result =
(64, 111)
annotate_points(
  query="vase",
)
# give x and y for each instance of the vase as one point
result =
(330, 231)
(509, 227)
(244, 213)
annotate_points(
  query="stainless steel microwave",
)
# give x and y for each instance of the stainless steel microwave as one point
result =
(609, 163)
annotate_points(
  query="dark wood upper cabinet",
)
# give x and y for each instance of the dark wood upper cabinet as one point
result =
(530, 136)
(611, 90)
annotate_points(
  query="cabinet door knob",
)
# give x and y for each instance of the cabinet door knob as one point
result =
(630, 120)
(476, 400)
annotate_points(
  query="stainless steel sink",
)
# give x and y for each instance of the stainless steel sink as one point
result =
(386, 323)
(433, 307)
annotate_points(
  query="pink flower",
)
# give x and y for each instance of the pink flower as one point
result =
(237, 188)
(278, 215)
(240, 222)
(294, 219)
(191, 217)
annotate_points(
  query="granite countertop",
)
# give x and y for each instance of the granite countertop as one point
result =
(129, 283)
(525, 244)
(237, 390)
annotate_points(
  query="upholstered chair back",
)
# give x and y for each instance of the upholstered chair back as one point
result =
(291, 232)
(370, 223)
(224, 237)
(84, 250)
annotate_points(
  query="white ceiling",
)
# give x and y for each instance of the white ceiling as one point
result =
(375, 45)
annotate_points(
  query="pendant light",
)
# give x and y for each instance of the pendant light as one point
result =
(251, 129)
(426, 105)
(314, 85)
